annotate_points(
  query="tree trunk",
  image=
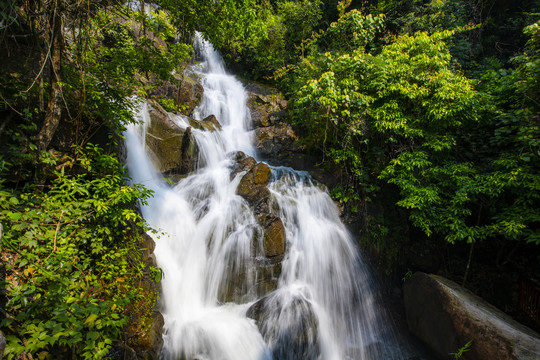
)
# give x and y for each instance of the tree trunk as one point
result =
(54, 105)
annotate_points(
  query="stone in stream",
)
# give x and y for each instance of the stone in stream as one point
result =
(299, 338)
(446, 316)
(174, 149)
(253, 188)
(259, 276)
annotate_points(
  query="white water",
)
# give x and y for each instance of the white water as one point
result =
(324, 293)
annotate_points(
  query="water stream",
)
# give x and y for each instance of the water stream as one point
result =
(324, 306)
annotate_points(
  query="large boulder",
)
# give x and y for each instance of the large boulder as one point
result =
(173, 149)
(209, 123)
(190, 92)
(288, 324)
(446, 316)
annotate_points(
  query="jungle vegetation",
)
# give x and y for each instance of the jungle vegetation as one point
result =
(430, 107)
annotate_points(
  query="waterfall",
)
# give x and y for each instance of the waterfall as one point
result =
(324, 306)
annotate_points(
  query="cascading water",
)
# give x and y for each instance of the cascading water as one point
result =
(323, 307)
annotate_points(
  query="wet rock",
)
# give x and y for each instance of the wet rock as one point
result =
(446, 316)
(258, 278)
(174, 149)
(288, 324)
(274, 239)
(260, 273)
(252, 186)
(209, 123)
(242, 163)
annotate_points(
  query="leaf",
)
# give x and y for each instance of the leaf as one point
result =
(71, 299)
(15, 216)
(90, 319)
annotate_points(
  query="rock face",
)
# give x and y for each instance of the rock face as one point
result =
(274, 137)
(446, 316)
(190, 93)
(145, 325)
(276, 141)
(266, 105)
(187, 92)
(173, 148)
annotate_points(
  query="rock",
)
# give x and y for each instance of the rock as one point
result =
(187, 93)
(274, 137)
(276, 141)
(288, 324)
(173, 148)
(266, 105)
(252, 186)
(242, 163)
(144, 329)
(2, 345)
(209, 123)
(274, 239)
(148, 246)
(446, 316)
(146, 340)
(258, 278)
(190, 93)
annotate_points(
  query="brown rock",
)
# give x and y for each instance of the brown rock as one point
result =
(148, 246)
(265, 104)
(209, 123)
(252, 186)
(274, 239)
(185, 90)
(189, 94)
(275, 141)
(173, 149)
(243, 163)
(446, 316)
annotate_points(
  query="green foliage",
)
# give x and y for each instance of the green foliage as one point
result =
(300, 18)
(352, 31)
(407, 275)
(72, 266)
(459, 353)
(404, 115)
(112, 60)
(221, 21)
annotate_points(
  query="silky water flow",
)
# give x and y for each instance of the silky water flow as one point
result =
(324, 306)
